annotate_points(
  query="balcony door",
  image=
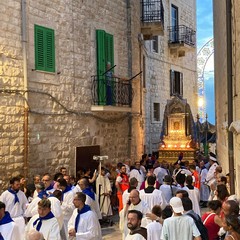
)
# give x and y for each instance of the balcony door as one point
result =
(174, 23)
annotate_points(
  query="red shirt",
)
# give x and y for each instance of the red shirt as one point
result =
(211, 226)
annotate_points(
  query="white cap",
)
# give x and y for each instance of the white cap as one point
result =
(176, 204)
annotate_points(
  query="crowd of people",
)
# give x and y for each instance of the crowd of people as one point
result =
(155, 200)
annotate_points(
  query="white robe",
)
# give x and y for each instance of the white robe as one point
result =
(17, 210)
(210, 175)
(154, 198)
(9, 231)
(125, 197)
(88, 227)
(204, 189)
(67, 210)
(136, 236)
(194, 195)
(50, 228)
(105, 202)
(154, 231)
(139, 176)
(142, 207)
(94, 205)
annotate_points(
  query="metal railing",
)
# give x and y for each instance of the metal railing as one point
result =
(111, 91)
(182, 34)
(152, 11)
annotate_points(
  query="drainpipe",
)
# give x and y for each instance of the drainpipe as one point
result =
(25, 81)
(230, 94)
(129, 49)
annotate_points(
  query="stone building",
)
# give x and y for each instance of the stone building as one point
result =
(55, 108)
(226, 68)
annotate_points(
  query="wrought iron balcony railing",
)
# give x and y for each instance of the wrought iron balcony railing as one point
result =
(152, 11)
(111, 91)
(182, 34)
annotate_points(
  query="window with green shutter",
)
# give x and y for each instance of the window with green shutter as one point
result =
(105, 54)
(44, 49)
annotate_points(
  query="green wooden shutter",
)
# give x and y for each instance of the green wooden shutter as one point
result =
(39, 47)
(44, 49)
(101, 67)
(109, 51)
(49, 51)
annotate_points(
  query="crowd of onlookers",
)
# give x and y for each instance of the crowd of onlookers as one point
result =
(154, 200)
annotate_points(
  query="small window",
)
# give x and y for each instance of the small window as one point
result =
(155, 44)
(44, 49)
(156, 112)
(176, 83)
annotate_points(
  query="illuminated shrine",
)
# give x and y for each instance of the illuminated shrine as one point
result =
(178, 134)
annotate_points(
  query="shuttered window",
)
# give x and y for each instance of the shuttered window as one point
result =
(44, 49)
(105, 54)
(176, 83)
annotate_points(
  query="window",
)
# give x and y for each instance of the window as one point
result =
(105, 54)
(156, 112)
(155, 44)
(174, 22)
(44, 49)
(176, 83)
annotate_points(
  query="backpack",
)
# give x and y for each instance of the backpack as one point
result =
(201, 228)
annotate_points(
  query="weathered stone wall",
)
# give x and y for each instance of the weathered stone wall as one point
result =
(158, 72)
(221, 88)
(60, 117)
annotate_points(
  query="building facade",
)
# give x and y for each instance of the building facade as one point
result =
(55, 108)
(226, 67)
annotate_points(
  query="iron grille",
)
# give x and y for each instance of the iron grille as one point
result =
(152, 11)
(112, 92)
(182, 34)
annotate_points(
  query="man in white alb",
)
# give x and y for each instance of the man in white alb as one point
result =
(84, 223)
(16, 202)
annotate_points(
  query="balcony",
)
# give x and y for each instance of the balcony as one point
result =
(111, 95)
(181, 39)
(152, 18)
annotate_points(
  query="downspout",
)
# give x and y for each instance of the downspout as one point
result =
(230, 93)
(129, 49)
(25, 82)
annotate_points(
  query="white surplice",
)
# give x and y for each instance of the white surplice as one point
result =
(154, 198)
(88, 227)
(50, 228)
(9, 231)
(154, 231)
(16, 210)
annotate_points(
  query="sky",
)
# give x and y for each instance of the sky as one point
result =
(204, 34)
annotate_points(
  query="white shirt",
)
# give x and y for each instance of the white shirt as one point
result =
(154, 230)
(179, 227)
(139, 176)
(88, 227)
(50, 228)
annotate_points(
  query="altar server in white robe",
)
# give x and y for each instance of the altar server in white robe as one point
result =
(84, 223)
(132, 185)
(193, 194)
(91, 198)
(152, 196)
(8, 228)
(137, 173)
(32, 209)
(44, 222)
(154, 229)
(134, 203)
(67, 205)
(16, 202)
(104, 190)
